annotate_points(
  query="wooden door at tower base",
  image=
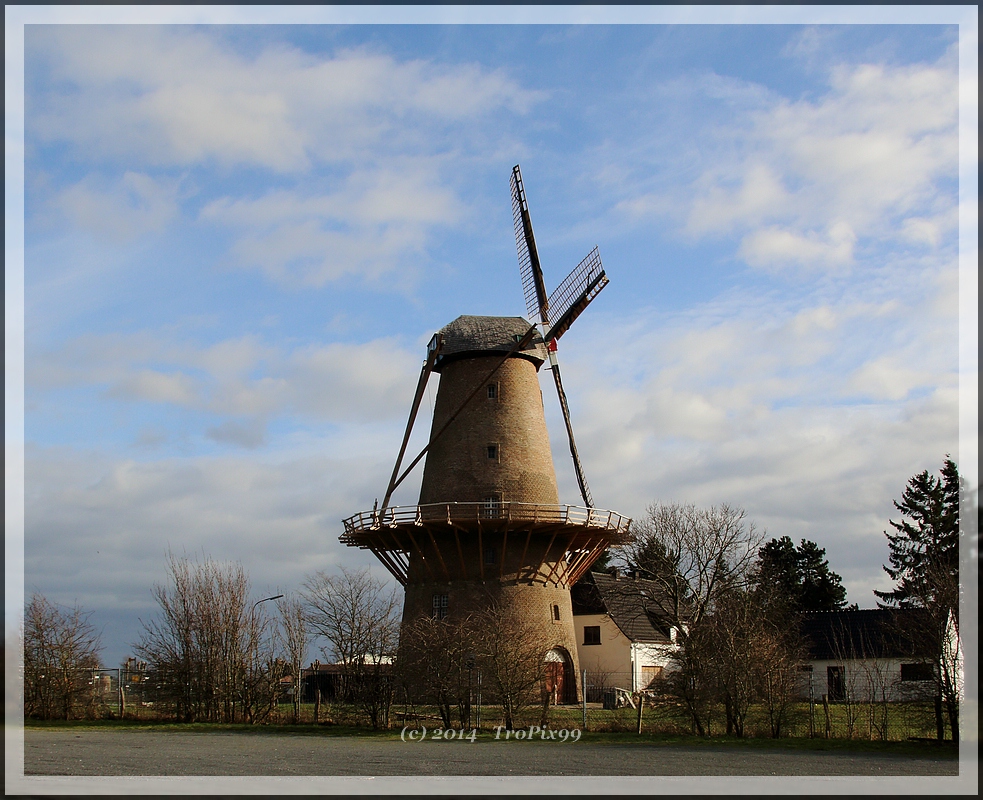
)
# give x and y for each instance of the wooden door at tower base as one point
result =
(557, 676)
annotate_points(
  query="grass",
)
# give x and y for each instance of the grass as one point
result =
(657, 732)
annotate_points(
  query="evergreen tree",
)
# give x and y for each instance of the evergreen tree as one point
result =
(924, 553)
(924, 556)
(798, 578)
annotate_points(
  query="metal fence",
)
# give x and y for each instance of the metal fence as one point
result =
(606, 703)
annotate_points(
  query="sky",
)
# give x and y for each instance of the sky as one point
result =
(238, 240)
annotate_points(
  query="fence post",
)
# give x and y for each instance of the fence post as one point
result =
(316, 667)
(641, 701)
(583, 684)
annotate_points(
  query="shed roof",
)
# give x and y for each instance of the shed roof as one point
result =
(468, 336)
(869, 633)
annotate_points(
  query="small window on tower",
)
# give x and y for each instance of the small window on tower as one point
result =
(492, 450)
(556, 613)
(492, 391)
(439, 606)
(493, 506)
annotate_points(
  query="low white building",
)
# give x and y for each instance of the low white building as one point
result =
(622, 639)
(870, 655)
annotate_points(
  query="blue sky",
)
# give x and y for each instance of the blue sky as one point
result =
(238, 240)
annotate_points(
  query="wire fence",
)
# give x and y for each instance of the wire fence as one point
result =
(614, 702)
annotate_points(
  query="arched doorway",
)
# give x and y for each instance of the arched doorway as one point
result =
(558, 676)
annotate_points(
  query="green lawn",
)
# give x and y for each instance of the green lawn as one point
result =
(662, 726)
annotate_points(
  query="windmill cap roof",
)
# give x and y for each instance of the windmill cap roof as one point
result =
(468, 337)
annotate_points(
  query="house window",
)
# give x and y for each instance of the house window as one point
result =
(492, 389)
(492, 451)
(556, 613)
(489, 555)
(440, 606)
(917, 672)
(592, 634)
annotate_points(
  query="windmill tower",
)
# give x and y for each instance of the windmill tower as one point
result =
(489, 524)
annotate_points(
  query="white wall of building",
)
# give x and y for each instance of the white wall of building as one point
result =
(866, 680)
(627, 664)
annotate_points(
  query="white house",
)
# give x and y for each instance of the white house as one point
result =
(622, 639)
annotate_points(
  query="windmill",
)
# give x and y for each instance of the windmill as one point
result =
(489, 526)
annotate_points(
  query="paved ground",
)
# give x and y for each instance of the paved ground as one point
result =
(146, 753)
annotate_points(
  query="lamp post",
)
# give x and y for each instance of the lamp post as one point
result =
(255, 638)
(470, 666)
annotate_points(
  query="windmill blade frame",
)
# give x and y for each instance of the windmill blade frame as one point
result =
(530, 270)
(575, 293)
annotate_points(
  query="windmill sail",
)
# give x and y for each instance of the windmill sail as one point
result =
(578, 468)
(566, 303)
(571, 297)
(533, 287)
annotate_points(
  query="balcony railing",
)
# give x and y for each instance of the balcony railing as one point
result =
(507, 512)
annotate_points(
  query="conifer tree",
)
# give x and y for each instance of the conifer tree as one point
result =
(799, 578)
(924, 551)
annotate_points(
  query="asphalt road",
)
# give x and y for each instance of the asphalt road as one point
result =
(157, 753)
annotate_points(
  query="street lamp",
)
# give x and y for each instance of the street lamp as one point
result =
(470, 665)
(255, 637)
(274, 597)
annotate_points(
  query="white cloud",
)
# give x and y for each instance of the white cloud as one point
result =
(249, 434)
(807, 181)
(174, 96)
(776, 247)
(239, 378)
(156, 387)
(365, 227)
(811, 412)
(137, 204)
(365, 147)
(91, 517)
(890, 378)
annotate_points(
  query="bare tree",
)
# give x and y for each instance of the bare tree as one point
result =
(695, 554)
(358, 615)
(511, 657)
(61, 648)
(781, 650)
(210, 647)
(294, 638)
(437, 658)
(693, 679)
(732, 649)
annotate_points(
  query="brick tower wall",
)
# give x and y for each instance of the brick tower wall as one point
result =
(458, 467)
(533, 602)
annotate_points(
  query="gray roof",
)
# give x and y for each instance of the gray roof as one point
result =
(467, 337)
(869, 633)
(632, 604)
